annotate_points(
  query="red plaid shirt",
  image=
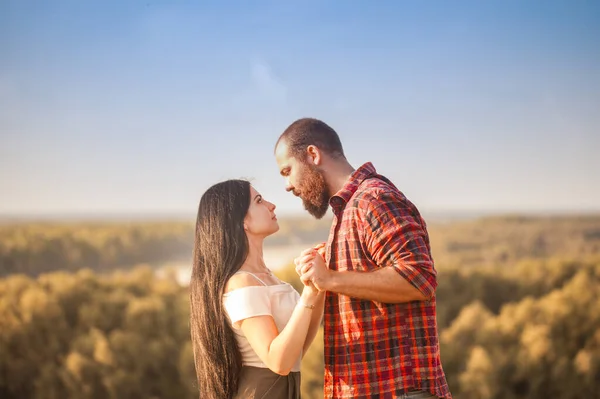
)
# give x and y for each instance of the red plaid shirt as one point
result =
(374, 349)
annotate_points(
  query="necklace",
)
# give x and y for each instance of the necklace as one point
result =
(265, 270)
(268, 272)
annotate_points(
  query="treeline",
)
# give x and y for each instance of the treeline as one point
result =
(545, 344)
(32, 249)
(529, 332)
(518, 309)
(86, 336)
(505, 240)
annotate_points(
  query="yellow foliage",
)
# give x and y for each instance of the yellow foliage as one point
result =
(518, 310)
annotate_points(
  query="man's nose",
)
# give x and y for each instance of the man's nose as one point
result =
(288, 186)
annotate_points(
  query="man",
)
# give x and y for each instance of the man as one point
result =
(380, 327)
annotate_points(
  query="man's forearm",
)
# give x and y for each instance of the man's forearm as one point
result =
(384, 285)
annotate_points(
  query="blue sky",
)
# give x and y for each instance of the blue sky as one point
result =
(108, 107)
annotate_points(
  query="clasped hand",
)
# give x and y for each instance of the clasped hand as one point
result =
(312, 270)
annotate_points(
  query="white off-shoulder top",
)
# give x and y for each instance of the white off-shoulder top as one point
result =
(277, 301)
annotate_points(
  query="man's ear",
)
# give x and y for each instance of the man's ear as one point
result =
(314, 155)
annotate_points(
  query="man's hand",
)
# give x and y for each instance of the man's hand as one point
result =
(311, 268)
(320, 248)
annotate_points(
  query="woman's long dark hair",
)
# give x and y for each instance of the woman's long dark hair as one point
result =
(220, 249)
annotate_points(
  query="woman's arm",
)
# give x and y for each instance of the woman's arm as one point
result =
(280, 350)
(307, 256)
(315, 322)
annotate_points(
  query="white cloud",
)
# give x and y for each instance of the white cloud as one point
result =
(264, 91)
(267, 83)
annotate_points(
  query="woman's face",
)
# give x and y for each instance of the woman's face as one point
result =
(260, 220)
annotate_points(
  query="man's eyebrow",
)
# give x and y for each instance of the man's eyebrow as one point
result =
(283, 170)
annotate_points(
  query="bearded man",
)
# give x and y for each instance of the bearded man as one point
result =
(380, 329)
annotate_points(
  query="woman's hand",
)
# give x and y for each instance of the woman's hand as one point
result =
(312, 270)
(308, 255)
(304, 261)
(310, 294)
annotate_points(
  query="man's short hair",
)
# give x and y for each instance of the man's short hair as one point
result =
(310, 131)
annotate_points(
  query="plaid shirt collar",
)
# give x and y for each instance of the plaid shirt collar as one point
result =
(341, 198)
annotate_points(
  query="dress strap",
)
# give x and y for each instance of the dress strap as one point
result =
(252, 274)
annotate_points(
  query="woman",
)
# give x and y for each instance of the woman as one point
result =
(249, 329)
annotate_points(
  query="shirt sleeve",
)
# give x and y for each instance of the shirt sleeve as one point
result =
(396, 236)
(247, 302)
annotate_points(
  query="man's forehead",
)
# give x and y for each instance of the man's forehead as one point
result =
(281, 152)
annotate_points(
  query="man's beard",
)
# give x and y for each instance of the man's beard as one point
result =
(314, 192)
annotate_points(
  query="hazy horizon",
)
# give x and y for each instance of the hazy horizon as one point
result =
(435, 215)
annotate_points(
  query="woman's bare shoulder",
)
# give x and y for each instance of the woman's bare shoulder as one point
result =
(242, 280)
